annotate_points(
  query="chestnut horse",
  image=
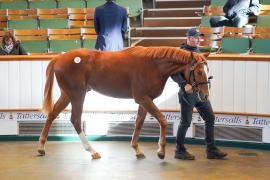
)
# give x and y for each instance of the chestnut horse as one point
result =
(137, 72)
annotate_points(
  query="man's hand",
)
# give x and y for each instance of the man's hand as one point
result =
(188, 89)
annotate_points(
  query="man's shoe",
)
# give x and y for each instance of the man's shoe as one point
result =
(215, 153)
(184, 155)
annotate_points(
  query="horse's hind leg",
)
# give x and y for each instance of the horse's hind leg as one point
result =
(148, 104)
(59, 106)
(76, 113)
(135, 137)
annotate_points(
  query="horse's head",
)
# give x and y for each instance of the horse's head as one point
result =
(196, 75)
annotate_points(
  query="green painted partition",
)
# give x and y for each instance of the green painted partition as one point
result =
(235, 45)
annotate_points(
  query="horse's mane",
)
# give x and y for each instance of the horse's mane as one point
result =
(170, 54)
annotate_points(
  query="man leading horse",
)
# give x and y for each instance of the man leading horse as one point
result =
(188, 98)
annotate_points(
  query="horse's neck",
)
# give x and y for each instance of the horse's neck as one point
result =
(168, 69)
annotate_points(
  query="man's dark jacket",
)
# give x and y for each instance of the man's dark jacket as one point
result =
(110, 24)
(178, 78)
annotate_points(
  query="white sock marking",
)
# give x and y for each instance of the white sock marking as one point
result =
(85, 143)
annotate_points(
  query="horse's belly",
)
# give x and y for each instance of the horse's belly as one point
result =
(112, 85)
(111, 81)
(116, 93)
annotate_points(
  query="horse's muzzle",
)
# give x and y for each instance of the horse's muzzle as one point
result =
(202, 97)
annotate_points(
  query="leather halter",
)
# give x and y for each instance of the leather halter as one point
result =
(195, 84)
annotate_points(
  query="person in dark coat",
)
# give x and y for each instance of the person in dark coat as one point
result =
(110, 22)
(188, 100)
(10, 46)
(237, 13)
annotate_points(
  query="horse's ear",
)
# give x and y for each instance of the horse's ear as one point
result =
(205, 55)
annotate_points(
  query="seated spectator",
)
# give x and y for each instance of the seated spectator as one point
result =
(237, 13)
(10, 46)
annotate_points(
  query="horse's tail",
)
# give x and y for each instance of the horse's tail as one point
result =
(48, 101)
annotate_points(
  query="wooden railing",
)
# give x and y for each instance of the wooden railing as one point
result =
(211, 57)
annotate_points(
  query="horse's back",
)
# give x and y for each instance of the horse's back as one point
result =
(111, 73)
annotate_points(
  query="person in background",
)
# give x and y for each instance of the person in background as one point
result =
(237, 13)
(110, 21)
(188, 100)
(10, 46)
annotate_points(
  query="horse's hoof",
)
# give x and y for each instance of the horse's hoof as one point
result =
(96, 156)
(140, 156)
(41, 152)
(161, 155)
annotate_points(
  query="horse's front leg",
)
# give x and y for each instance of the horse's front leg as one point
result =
(135, 137)
(148, 105)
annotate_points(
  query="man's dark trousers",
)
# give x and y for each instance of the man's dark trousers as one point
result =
(188, 102)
